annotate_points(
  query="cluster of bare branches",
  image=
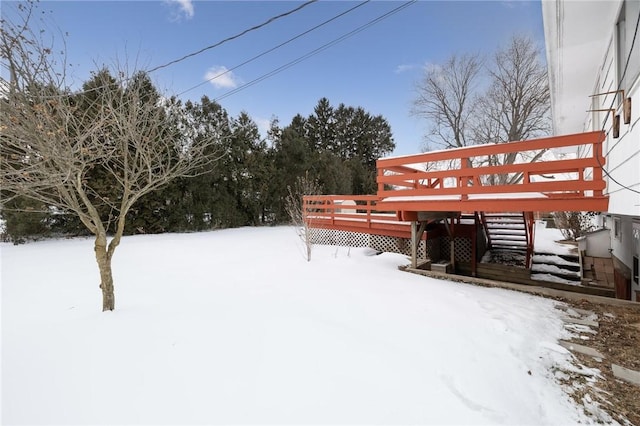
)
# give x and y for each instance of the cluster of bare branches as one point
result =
(53, 139)
(298, 211)
(444, 97)
(574, 224)
(514, 106)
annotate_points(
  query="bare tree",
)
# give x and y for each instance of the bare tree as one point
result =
(574, 224)
(299, 212)
(52, 140)
(516, 105)
(445, 100)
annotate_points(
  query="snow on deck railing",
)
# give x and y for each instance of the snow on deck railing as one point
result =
(410, 177)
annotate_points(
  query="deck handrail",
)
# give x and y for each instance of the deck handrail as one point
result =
(328, 211)
(407, 190)
(402, 176)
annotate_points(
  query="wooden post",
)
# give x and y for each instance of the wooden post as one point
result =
(474, 240)
(452, 245)
(452, 256)
(379, 173)
(417, 229)
(465, 163)
(414, 244)
(597, 171)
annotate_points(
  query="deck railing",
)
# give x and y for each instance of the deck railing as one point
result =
(357, 213)
(407, 186)
(406, 183)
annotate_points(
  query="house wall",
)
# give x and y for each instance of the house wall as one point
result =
(582, 42)
(624, 247)
(635, 279)
(623, 153)
(622, 158)
(596, 244)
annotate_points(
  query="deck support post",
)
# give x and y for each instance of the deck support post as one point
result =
(452, 242)
(474, 247)
(417, 229)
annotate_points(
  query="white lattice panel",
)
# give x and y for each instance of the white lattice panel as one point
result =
(395, 245)
(333, 237)
(436, 248)
(462, 247)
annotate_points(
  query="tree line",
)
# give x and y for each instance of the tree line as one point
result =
(337, 146)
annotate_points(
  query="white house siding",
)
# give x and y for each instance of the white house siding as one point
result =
(582, 45)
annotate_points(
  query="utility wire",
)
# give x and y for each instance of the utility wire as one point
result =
(275, 47)
(315, 51)
(149, 71)
(240, 34)
(624, 73)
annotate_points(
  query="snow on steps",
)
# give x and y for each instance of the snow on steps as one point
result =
(506, 230)
(558, 268)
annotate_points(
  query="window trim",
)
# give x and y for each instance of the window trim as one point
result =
(617, 228)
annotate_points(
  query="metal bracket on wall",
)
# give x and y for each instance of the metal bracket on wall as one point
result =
(626, 104)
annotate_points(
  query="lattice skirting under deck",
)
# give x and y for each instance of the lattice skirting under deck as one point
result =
(462, 250)
(436, 248)
(377, 242)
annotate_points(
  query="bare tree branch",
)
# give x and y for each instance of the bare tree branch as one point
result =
(445, 99)
(54, 141)
(516, 106)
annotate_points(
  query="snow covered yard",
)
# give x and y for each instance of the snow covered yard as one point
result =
(235, 326)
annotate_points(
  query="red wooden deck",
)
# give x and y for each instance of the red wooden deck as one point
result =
(407, 188)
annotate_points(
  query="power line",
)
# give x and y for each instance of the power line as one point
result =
(624, 73)
(276, 47)
(315, 51)
(240, 34)
(167, 64)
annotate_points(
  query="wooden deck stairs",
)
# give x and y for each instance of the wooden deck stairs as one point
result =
(509, 231)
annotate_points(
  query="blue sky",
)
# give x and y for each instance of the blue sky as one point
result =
(376, 68)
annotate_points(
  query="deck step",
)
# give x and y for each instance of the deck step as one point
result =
(556, 268)
(506, 231)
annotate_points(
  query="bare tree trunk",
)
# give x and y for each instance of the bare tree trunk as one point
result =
(106, 277)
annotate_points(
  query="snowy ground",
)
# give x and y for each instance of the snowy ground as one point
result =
(546, 240)
(236, 327)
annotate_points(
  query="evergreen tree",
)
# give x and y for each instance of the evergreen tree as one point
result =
(248, 153)
(25, 219)
(207, 200)
(320, 128)
(292, 157)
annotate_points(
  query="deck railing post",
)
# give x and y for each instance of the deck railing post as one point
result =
(597, 171)
(332, 212)
(464, 180)
(304, 209)
(380, 172)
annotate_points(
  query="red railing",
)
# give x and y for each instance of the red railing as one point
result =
(406, 183)
(407, 187)
(357, 213)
